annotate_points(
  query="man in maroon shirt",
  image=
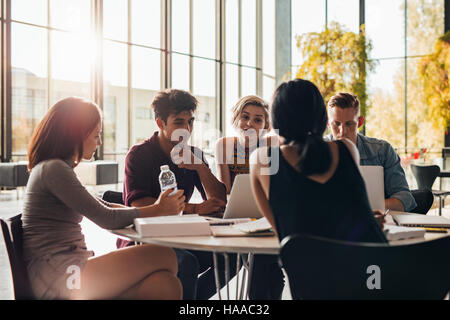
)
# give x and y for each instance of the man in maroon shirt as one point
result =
(174, 113)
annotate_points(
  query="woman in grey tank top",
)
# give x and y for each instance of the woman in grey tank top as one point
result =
(58, 263)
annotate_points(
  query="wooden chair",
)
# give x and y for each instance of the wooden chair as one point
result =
(12, 235)
(320, 268)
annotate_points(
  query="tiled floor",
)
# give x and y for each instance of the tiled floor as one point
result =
(97, 239)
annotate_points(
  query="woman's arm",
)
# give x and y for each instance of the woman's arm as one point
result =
(223, 171)
(60, 180)
(261, 184)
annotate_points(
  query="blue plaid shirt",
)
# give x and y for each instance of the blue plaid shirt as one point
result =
(376, 152)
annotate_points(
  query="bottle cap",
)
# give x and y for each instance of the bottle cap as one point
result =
(164, 167)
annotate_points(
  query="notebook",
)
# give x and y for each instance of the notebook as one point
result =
(420, 220)
(398, 233)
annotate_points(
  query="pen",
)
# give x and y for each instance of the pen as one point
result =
(386, 212)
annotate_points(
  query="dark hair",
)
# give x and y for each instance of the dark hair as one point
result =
(62, 131)
(299, 114)
(172, 101)
(344, 100)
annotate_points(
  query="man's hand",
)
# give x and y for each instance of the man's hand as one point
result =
(171, 205)
(209, 206)
(380, 217)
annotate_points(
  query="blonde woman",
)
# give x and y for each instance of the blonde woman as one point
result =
(55, 202)
(251, 119)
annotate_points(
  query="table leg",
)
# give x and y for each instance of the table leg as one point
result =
(216, 275)
(227, 274)
(244, 274)
(238, 266)
(250, 273)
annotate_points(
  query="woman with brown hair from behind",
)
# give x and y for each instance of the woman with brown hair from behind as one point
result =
(58, 263)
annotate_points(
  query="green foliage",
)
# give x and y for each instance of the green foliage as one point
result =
(434, 75)
(336, 60)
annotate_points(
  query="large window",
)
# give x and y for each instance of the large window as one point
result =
(402, 32)
(120, 53)
(49, 60)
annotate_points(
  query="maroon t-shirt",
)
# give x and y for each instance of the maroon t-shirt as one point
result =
(143, 166)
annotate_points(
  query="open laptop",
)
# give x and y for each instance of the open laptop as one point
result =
(374, 179)
(242, 203)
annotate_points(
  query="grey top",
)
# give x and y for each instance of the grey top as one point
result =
(54, 205)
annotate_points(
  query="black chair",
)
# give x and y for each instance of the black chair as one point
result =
(12, 234)
(116, 197)
(425, 177)
(113, 197)
(320, 268)
(424, 200)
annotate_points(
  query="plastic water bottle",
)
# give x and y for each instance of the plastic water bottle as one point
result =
(167, 180)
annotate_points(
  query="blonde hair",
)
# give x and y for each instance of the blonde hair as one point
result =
(250, 100)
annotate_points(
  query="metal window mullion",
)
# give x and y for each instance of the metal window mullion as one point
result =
(166, 41)
(6, 126)
(129, 80)
(240, 48)
(406, 77)
(259, 48)
(220, 66)
(362, 22)
(49, 57)
(97, 13)
(191, 46)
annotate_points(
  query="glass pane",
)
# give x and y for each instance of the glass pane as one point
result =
(205, 133)
(146, 68)
(345, 12)
(115, 97)
(146, 82)
(231, 95)
(204, 28)
(385, 119)
(146, 22)
(421, 132)
(115, 19)
(73, 15)
(29, 82)
(307, 16)
(143, 125)
(31, 11)
(180, 72)
(425, 25)
(248, 39)
(387, 38)
(70, 66)
(180, 26)
(268, 88)
(248, 82)
(268, 37)
(231, 31)
(204, 82)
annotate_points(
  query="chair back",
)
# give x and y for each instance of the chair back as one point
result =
(424, 200)
(425, 175)
(12, 235)
(320, 268)
(113, 197)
